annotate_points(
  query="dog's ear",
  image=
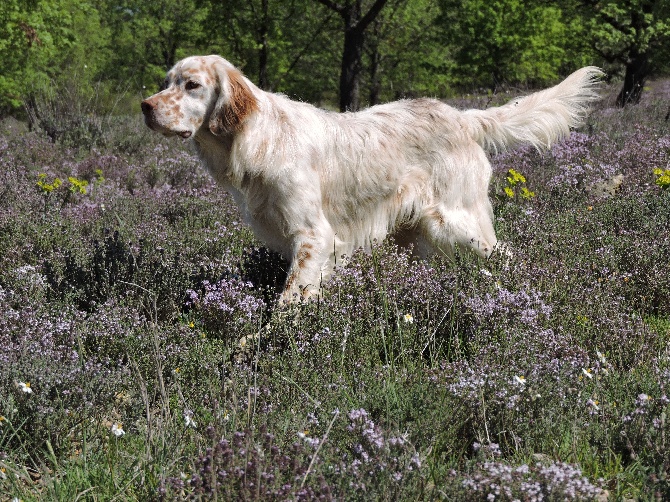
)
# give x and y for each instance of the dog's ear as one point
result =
(234, 104)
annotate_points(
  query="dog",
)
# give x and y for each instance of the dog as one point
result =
(315, 185)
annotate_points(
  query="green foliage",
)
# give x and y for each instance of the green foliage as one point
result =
(508, 41)
(112, 52)
(620, 27)
(290, 47)
(405, 56)
(43, 40)
(147, 38)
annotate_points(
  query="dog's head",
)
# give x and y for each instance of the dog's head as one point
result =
(201, 91)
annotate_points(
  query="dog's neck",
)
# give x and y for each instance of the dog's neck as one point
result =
(205, 139)
(214, 152)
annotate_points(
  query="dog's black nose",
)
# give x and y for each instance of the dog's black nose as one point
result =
(147, 107)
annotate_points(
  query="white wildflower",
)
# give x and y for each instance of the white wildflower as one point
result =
(593, 404)
(188, 418)
(25, 387)
(117, 430)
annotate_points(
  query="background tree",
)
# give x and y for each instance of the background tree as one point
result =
(149, 37)
(274, 42)
(497, 42)
(632, 33)
(404, 55)
(356, 17)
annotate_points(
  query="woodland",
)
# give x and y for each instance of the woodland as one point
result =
(346, 55)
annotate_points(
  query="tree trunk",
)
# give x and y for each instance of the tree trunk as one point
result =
(168, 50)
(375, 64)
(355, 24)
(637, 70)
(350, 76)
(375, 81)
(263, 56)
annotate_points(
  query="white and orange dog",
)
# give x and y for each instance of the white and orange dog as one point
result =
(315, 185)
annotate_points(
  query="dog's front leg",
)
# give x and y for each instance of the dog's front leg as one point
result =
(311, 264)
(304, 275)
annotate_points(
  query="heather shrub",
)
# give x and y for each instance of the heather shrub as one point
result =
(154, 277)
(128, 136)
(259, 465)
(82, 115)
(48, 383)
(67, 114)
(145, 356)
(406, 301)
(227, 308)
(250, 466)
(557, 481)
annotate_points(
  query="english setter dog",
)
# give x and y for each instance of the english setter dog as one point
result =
(315, 185)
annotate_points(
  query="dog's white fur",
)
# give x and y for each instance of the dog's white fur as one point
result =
(315, 185)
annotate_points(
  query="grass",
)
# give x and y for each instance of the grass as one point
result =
(134, 300)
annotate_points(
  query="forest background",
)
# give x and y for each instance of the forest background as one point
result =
(353, 53)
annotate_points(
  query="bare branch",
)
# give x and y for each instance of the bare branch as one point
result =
(333, 6)
(371, 14)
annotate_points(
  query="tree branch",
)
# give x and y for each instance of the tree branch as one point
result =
(609, 56)
(340, 9)
(371, 15)
(613, 22)
(302, 52)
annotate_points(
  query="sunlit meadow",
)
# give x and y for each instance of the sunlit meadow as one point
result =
(143, 356)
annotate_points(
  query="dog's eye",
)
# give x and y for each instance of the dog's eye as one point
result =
(190, 85)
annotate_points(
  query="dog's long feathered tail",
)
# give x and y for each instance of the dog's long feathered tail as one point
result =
(539, 119)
